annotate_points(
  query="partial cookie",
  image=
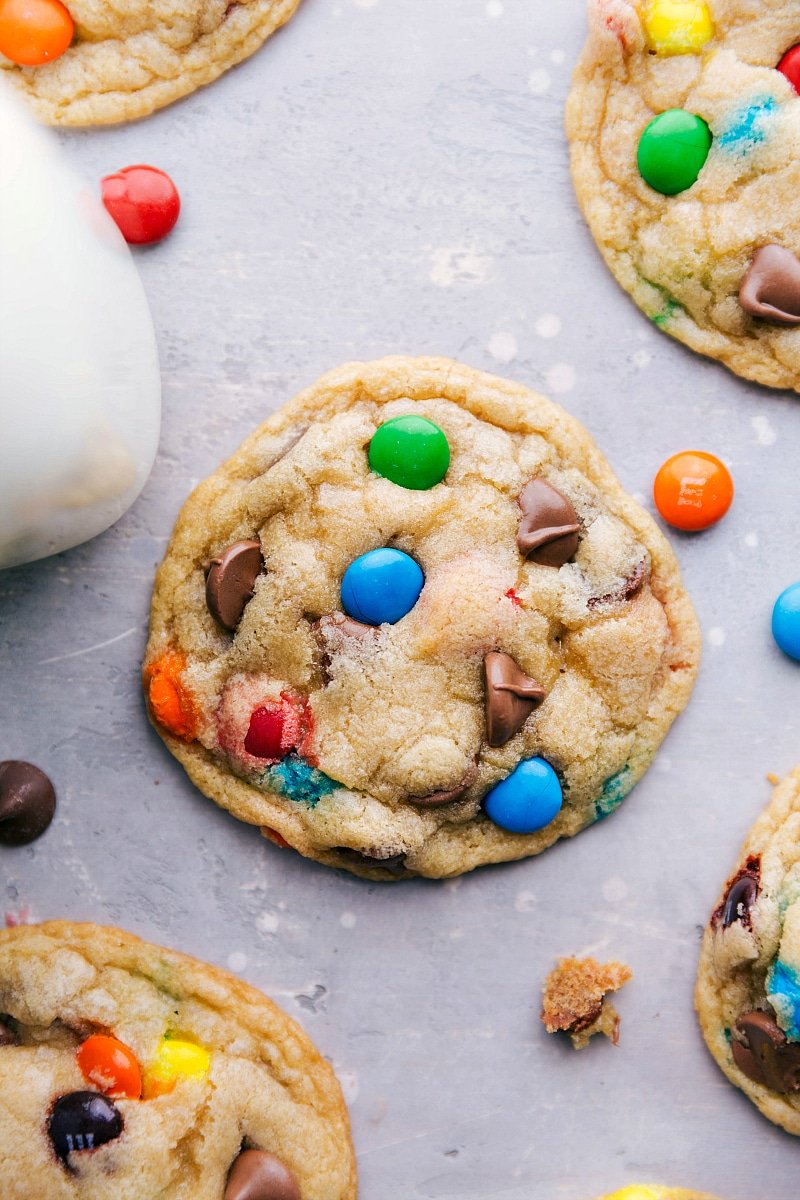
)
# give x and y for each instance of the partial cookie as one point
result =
(654, 1192)
(748, 985)
(685, 141)
(414, 625)
(127, 61)
(575, 999)
(128, 1072)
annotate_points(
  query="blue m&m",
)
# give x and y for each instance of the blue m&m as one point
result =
(381, 586)
(527, 799)
(786, 621)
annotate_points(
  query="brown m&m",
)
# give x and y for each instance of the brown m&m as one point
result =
(511, 697)
(257, 1175)
(771, 287)
(761, 1051)
(548, 530)
(230, 581)
(27, 802)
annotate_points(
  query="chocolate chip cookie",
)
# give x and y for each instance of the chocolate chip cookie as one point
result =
(684, 124)
(128, 60)
(129, 1072)
(748, 986)
(414, 625)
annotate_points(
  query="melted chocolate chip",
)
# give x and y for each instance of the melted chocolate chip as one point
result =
(256, 1175)
(761, 1051)
(230, 581)
(83, 1121)
(435, 799)
(771, 286)
(380, 857)
(335, 629)
(740, 896)
(511, 697)
(7, 1035)
(633, 583)
(27, 802)
(548, 530)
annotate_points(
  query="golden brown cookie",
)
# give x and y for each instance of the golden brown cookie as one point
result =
(515, 699)
(130, 1072)
(127, 60)
(575, 999)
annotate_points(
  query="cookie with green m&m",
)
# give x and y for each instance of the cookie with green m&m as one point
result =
(414, 625)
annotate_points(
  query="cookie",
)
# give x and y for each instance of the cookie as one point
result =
(575, 1000)
(128, 1072)
(748, 984)
(685, 140)
(654, 1192)
(414, 625)
(126, 62)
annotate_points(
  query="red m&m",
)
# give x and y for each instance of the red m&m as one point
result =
(790, 67)
(143, 201)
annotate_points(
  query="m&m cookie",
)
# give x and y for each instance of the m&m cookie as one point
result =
(119, 1059)
(414, 625)
(685, 161)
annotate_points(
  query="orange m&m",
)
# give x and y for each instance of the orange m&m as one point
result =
(33, 32)
(693, 490)
(110, 1066)
(171, 702)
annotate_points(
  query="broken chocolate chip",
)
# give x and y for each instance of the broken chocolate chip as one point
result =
(771, 286)
(511, 697)
(435, 799)
(231, 580)
(761, 1051)
(548, 531)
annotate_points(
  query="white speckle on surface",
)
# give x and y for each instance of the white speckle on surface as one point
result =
(494, 8)
(347, 919)
(560, 378)
(365, 3)
(267, 922)
(539, 81)
(456, 934)
(452, 885)
(615, 889)
(765, 434)
(663, 763)
(642, 358)
(557, 57)
(503, 347)
(525, 902)
(548, 325)
(751, 540)
(237, 961)
(349, 1083)
(456, 264)
(716, 636)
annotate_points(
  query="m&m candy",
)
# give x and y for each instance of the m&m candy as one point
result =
(33, 32)
(111, 1066)
(677, 26)
(527, 799)
(672, 151)
(411, 451)
(83, 1121)
(171, 702)
(143, 201)
(381, 586)
(786, 621)
(175, 1059)
(693, 490)
(790, 67)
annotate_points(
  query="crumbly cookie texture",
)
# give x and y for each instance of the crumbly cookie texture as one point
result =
(384, 760)
(650, 1191)
(266, 1086)
(129, 59)
(683, 258)
(574, 999)
(748, 985)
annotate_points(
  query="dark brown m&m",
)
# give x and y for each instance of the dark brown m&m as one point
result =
(83, 1121)
(27, 802)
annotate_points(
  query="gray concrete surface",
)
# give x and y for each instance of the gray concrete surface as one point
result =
(390, 176)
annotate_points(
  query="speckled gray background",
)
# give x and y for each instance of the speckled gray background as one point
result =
(392, 175)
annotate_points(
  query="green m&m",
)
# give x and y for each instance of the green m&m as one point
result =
(411, 451)
(672, 151)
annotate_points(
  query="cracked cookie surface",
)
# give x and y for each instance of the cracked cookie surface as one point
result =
(264, 1085)
(127, 60)
(685, 258)
(373, 747)
(748, 985)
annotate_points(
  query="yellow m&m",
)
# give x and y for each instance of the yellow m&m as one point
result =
(175, 1059)
(677, 26)
(633, 1193)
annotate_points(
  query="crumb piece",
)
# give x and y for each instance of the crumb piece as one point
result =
(773, 778)
(574, 999)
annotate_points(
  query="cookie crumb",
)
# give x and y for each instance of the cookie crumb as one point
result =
(575, 999)
(773, 778)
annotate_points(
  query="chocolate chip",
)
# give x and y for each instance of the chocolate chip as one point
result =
(548, 531)
(435, 799)
(740, 896)
(256, 1175)
(511, 697)
(230, 581)
(632, 584)
(7, 1035)
(761, 1051)
(334, 630)
(27, 802)
(382, 856)
(83, 1121)
(771, 286)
